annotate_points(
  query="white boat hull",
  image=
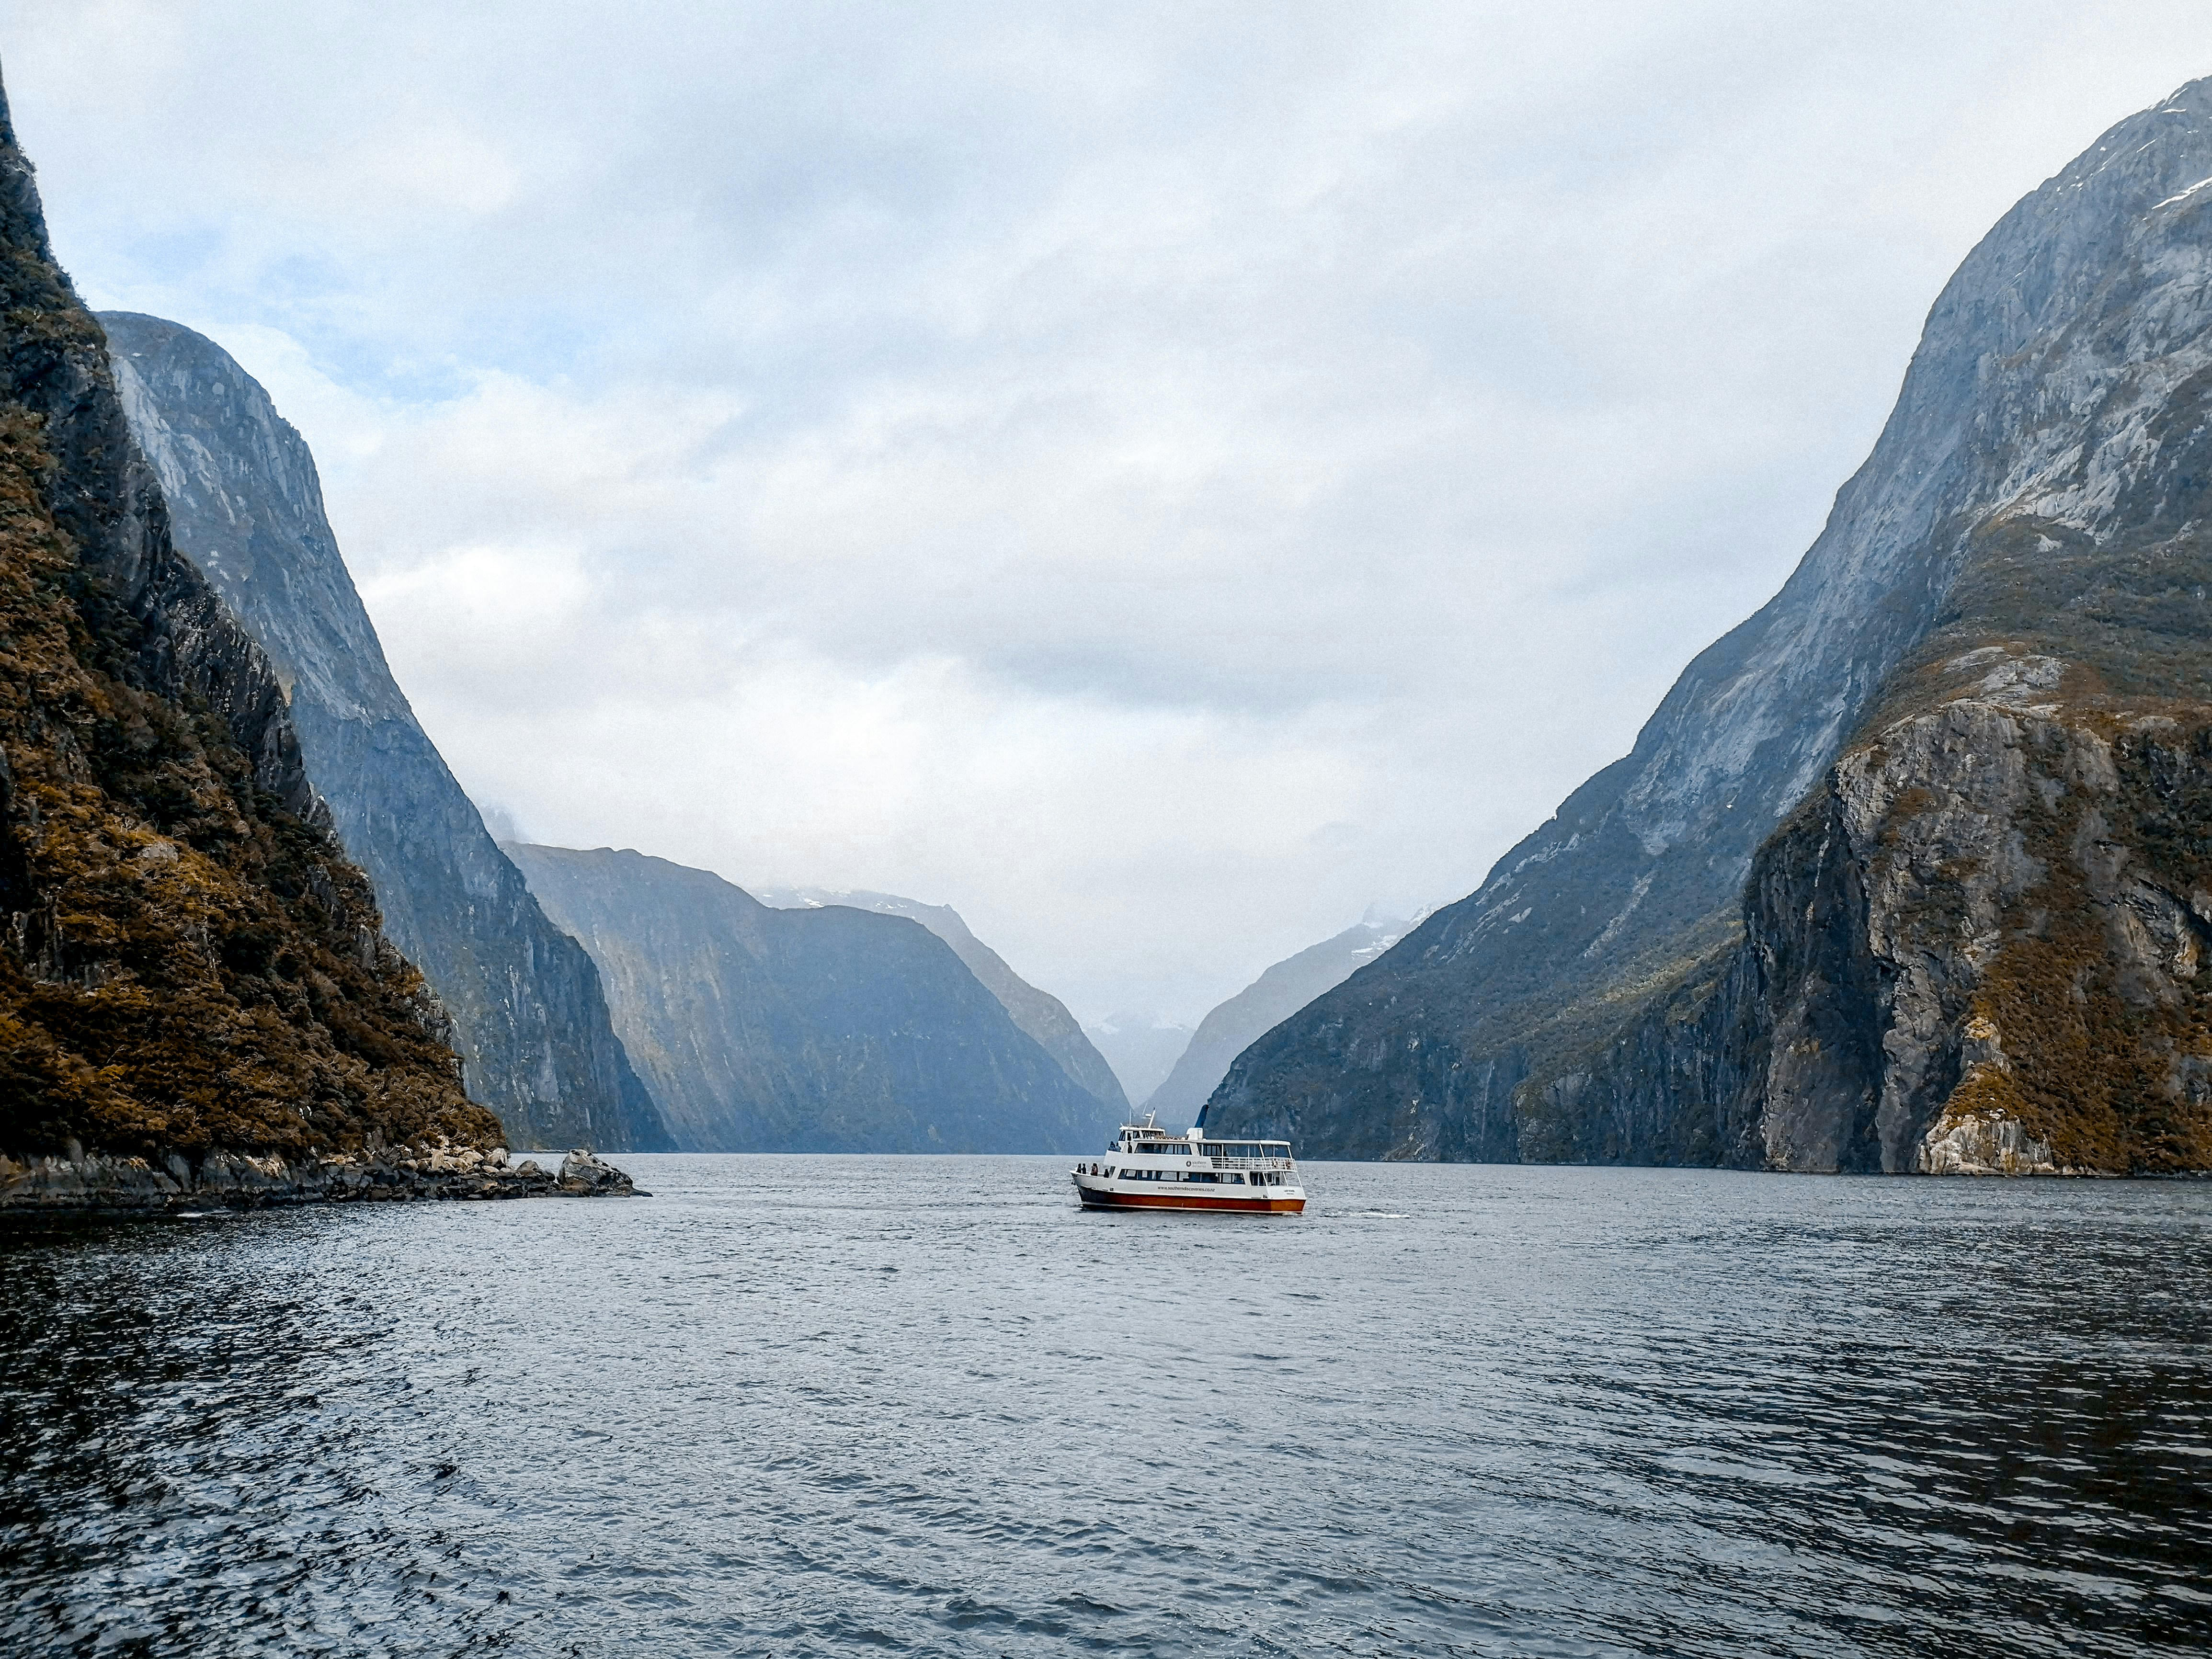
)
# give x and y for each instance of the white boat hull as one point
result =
(1105, 1193)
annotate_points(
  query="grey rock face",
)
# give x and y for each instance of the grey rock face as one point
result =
(1044, 1016)
(530, 1020)
(824, 1030)
(2060, 382)
(585, 1175)
(1272, 998)
(1972, 950)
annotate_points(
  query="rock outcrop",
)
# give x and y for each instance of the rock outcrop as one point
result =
(817, 1030)
(76, 1181)
(188, 961)
(246, 506)
(1268, 1000)
(1043, 1015)
(583, 1175)
(1903, 874)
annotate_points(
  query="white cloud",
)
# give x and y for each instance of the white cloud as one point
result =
(1156, 479)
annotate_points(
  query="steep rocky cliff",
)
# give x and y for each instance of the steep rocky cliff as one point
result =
(1901, 874)
(246, 506)
(188, 962)
(815, 1030)
(1268, 1001)
(1041, 1014)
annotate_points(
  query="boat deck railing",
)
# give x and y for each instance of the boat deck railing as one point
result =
(1270, 1160)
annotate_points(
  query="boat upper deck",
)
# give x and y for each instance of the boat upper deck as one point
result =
(1149, 1140)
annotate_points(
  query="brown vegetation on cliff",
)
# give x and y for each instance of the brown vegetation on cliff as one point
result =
(1982, 942)
(187, 960)
(2090, 1024)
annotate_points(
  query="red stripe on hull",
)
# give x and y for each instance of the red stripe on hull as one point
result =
(1094, 1199)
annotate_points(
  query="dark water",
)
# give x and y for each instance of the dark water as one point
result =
(835, 1406)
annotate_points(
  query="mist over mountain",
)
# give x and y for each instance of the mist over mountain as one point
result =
(1908, 871)
(1142, 1048)
(1272, 998)
(815, 1029)
(246, 507)
(1039, 1013)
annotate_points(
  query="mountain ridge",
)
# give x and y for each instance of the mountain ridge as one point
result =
(2060, 380)
(190, 968)
(1279, 991)
(827, 1028)
(245, 505)
(1044, 1016)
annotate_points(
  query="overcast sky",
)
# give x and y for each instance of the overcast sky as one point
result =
(1160, 478)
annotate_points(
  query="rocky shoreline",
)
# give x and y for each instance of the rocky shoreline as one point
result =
(101, 1183)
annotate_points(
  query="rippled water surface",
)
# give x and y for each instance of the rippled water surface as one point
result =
(841, 1406)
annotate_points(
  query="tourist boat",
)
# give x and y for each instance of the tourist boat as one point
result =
(1149, 1169)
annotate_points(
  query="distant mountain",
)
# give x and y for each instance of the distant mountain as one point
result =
(1044, 1016)
(824, 1029)
(246, 506)
(190, 968)
(1142, 1048)
(1259, 1008)
(1912, 870)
